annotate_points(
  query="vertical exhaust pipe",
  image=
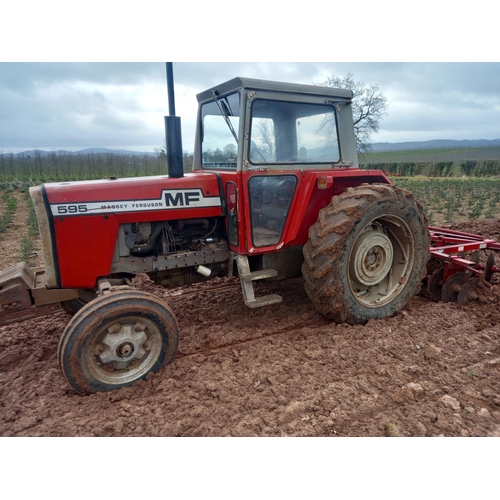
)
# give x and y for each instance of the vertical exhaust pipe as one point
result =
(173, 131)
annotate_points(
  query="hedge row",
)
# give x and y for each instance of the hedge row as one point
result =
(469, 168)
(65, 166)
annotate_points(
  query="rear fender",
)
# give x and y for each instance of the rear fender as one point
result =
(311, 199)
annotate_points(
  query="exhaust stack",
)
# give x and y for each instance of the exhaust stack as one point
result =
(173, 131)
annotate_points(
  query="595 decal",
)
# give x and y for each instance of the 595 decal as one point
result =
(71, 209)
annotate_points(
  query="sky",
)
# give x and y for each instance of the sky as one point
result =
(65, 105)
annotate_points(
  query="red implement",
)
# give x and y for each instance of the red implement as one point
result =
(450, 246)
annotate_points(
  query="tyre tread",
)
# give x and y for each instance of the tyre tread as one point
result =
(327, 240)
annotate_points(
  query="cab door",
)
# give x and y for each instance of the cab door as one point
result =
(288, 136)
(269, 198)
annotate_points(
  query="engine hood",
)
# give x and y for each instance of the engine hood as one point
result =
(112, 196)
(79, 221)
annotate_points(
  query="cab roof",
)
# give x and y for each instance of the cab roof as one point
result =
(255, 84)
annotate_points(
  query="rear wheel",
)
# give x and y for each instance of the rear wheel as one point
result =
(366, 254)
(116, 340)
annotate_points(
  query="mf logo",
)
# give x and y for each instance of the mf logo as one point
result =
(181, 198)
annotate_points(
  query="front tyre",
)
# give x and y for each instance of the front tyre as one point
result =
(366, 254)
(116, 340)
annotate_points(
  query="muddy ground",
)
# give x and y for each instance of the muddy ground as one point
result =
(431, 370)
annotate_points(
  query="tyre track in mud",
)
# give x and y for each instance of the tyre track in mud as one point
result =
(259, 323)
(207, 351)
(312, 321)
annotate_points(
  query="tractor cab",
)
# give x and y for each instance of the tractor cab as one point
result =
(255, 125)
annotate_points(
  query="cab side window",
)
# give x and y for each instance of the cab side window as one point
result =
(220, 126)
(288, 132)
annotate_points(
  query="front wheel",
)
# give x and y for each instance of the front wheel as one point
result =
(366, 254)
(116, 340)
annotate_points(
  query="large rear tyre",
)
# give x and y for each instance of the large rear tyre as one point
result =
(366, 254)
(116, 340)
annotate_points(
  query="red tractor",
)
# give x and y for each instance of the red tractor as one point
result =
(275, 193)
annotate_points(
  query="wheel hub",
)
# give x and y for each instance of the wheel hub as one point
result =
(372, 257)
(125, 349)
(121, 344)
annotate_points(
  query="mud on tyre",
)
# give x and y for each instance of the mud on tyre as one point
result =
(366, 254)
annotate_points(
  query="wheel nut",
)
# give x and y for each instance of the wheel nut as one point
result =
(114, 328)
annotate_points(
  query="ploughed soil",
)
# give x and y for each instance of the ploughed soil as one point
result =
(433, 369)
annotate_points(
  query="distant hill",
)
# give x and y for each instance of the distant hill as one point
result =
(85, 151)
(375, 147)
(114, 151)
(435, 144)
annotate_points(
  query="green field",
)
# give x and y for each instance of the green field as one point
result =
(456, 155)
(470, 162)
(448, 200)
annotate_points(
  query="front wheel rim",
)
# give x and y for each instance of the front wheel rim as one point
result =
(124, 350)
(381, 261)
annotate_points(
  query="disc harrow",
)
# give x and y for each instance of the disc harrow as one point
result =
(456, 272)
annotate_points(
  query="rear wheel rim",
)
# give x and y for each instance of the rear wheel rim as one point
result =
(381, 261)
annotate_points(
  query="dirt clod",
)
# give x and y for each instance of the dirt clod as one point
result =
(392, 430)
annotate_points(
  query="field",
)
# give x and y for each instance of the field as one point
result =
(456, 155)
(431, 370)
(468, 162)
(448, 200)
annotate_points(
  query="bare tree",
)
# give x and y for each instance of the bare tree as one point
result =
(230, 152)
(368, 107)
(265, 131)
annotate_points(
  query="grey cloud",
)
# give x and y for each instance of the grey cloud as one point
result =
(85, 104)
(18, 76)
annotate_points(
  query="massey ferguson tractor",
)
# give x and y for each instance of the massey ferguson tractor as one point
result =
(275, 193)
